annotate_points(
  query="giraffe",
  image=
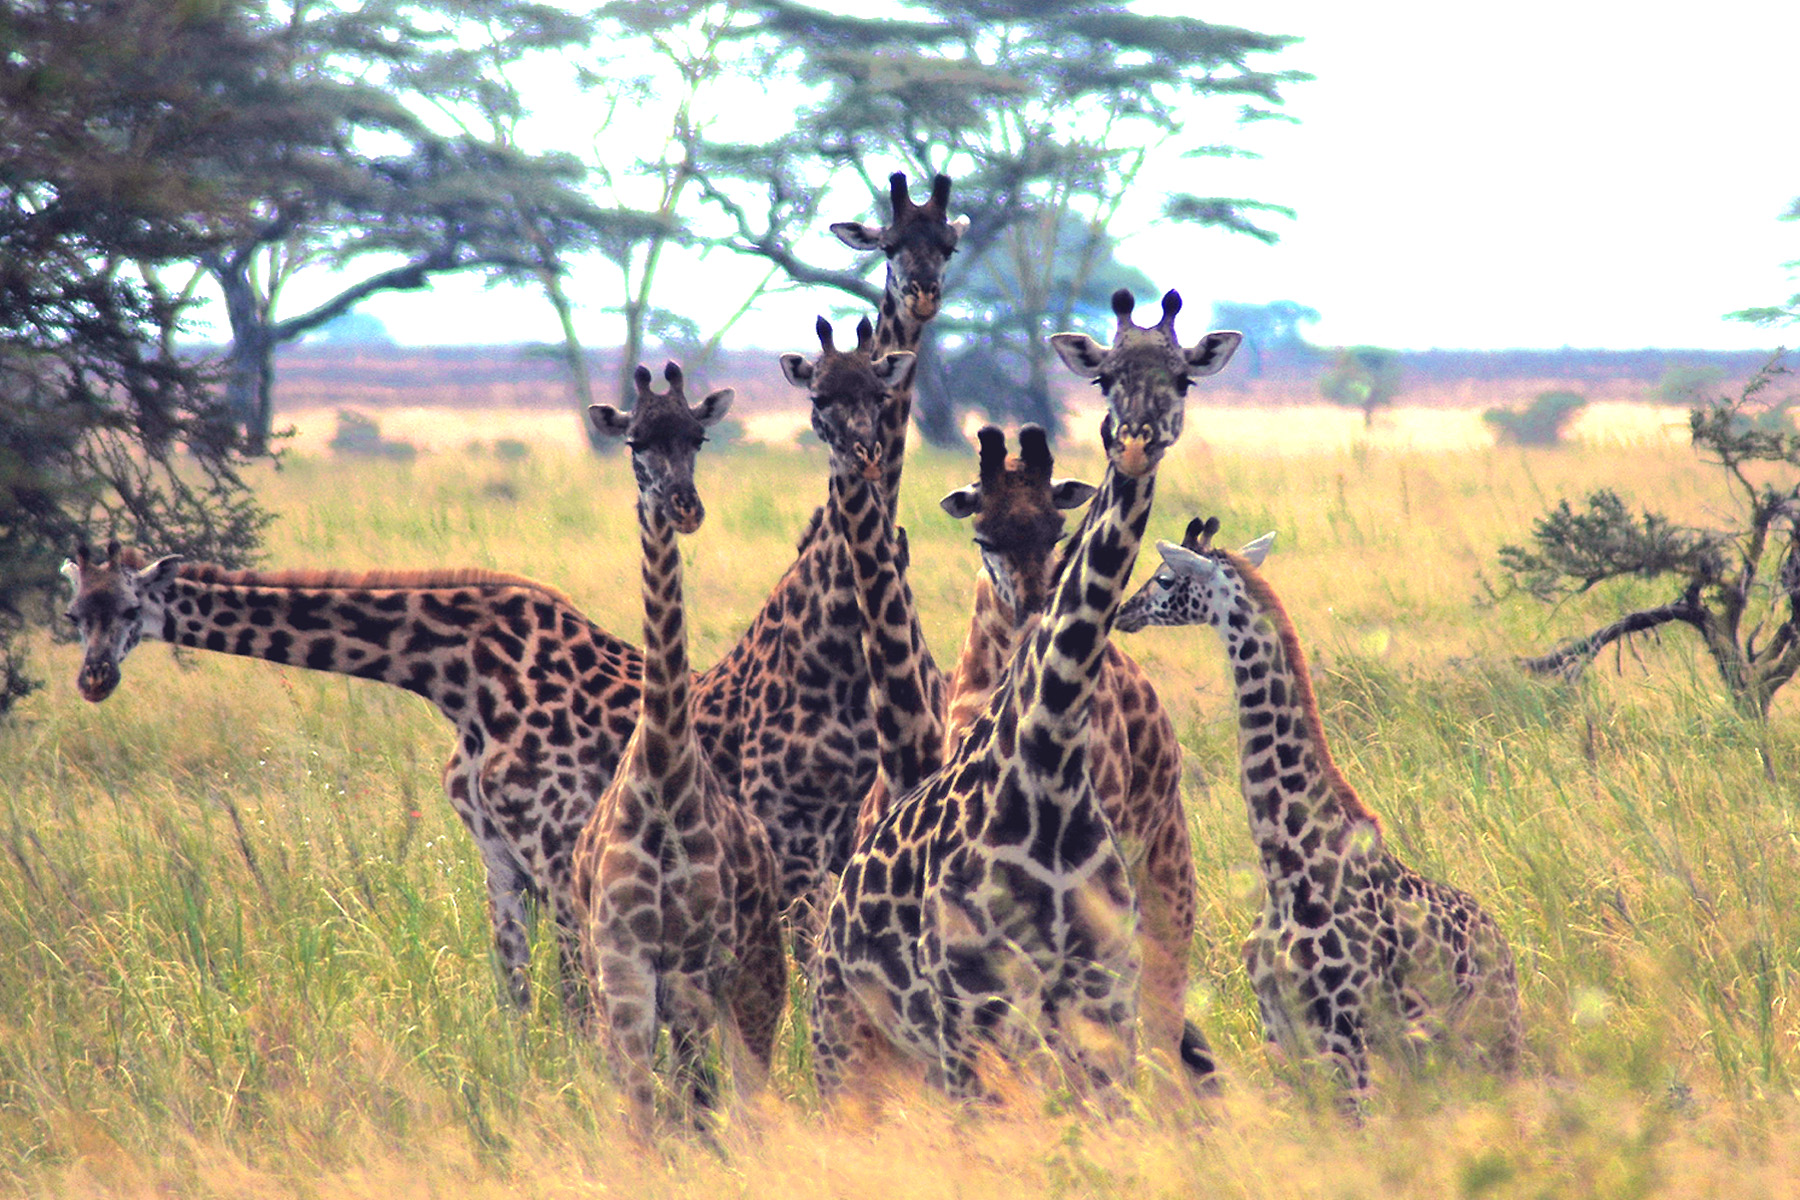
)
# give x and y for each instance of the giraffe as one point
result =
(918, 241)
(994, 897)
(849, 390)
(1353, 946)
(674, 880)
(790, 702)
(542, 700)
(1135, 760)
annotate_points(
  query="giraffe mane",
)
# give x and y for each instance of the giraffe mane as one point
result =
(329, 579)
(1263, 594)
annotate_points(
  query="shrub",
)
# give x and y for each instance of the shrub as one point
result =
(1542, 423)
(360, 434)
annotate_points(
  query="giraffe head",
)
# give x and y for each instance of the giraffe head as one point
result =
(848, 389)
(1144, 376)
(112, 605)
(918, 242)
(1018, 515)
(664, 435)
(1197, 584)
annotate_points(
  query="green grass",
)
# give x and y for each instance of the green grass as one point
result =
(244, 945)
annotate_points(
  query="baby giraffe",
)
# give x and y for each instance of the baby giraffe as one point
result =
(674, 881)
(1353, 945)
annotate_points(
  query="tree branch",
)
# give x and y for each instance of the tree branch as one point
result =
(1571, 658)
(410, 277)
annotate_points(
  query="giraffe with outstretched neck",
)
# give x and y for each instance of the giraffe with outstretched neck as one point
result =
(993, 902)
(542, 699)
(674, 879)
(1353, 946)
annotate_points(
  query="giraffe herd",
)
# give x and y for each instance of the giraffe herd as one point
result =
(982, 873)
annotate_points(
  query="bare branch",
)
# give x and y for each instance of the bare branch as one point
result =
(1571, 658)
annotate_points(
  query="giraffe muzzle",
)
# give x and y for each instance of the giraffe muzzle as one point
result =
(923, 302)
(1134, 454)
(868, 461)
(96, 681)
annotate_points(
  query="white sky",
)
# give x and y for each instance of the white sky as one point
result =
(1534, 174)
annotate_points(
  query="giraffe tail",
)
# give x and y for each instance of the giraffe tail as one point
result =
(1197, 1059)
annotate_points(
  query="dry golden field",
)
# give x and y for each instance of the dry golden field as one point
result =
(244, 950)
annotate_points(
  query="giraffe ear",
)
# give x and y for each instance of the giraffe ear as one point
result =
(71, 572)
(1071, 493)
(1213, 351)
(858, 236)
(1079, 352)
(159, 574)
(963, 502)
(1256, 551)
(1183, 561)
(896, 370)
(958, 227)
(608, 420)
(710, 410)
(797, 370)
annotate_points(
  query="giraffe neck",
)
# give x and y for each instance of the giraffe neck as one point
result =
(409, 629)
(1057, 669)
(895, 329)
(665, 712)
(986, 650)
(1298, 800)
(908, 718)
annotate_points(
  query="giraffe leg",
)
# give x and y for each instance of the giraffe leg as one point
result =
(575, 975)
(1166, 914)
(628, 998)
(758, 995)
(837, 1036)
(694, 1081)
(508, 885)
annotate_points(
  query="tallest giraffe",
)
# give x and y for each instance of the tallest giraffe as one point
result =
(918, 241)
(994, 896)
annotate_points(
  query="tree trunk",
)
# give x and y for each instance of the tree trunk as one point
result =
(250, 362)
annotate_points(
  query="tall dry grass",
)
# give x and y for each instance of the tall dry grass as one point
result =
(243, 947)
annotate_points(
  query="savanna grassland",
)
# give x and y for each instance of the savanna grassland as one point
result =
(244, 949)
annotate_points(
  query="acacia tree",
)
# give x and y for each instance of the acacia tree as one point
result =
(1738, 588)
(369, 171)
(1776, 314)
(1363, 377)
(1047, 113)
(1268, 329)
(116, 132)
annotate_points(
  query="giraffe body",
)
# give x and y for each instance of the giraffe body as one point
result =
(542, 699)
(675, 882)
(1135, 760)
(1353, 946)
(992, 906)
